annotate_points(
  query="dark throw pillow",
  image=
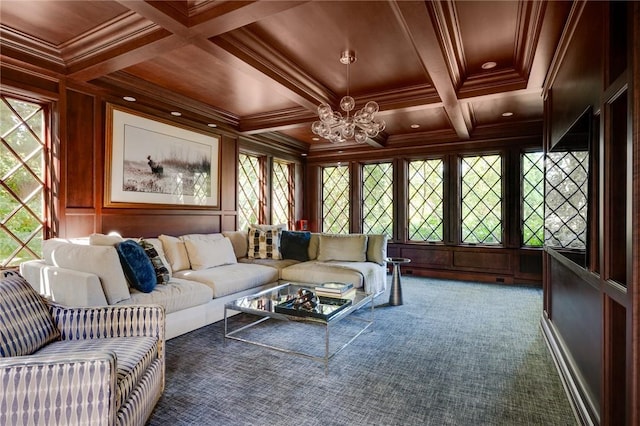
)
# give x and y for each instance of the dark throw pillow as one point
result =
(136, 266)
(162, 273)
(295, 245)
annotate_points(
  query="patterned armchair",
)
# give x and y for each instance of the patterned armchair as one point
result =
(68, 366)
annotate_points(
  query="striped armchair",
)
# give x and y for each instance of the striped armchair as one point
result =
(68, 366)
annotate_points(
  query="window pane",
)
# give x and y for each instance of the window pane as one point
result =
(426, 194)
(281, 194)
(532, 199)
(482, 199)
(335, 200)
(22, 173)
(566, 199)
(377, 198)
(248, 191)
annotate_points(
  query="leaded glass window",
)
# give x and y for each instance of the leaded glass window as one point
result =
(566, 199)
(335, 199)
(533, 199)
(249, 190)
(281, 194)
(22, 184)
(481, 213)
(377, 198)
(426, 196)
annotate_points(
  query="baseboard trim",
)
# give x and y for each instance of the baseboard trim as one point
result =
(585, 415)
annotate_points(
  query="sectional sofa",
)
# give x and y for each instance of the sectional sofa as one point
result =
(197, 274)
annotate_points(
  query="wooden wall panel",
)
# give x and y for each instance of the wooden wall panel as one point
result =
(79, 150)
(486, 260)
(152, 224)
(577, 316)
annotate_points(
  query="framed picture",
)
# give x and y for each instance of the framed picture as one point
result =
(155, 162)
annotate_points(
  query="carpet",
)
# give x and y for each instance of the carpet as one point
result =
(455, 353)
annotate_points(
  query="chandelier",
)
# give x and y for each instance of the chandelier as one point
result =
(338, 128)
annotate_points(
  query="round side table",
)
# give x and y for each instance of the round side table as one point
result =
(395, 298)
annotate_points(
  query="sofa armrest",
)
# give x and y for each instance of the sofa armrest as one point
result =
(64, 286)
(69, 388)
(77, 323)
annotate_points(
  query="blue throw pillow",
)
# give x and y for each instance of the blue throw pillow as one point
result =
(295, 245)
(136, 266)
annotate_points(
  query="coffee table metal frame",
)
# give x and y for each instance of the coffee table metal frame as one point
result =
(244, 304)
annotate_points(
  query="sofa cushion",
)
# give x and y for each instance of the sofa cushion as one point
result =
(316, 272)
(137, 266)
(162, 272)
(264, 243)
(175, 252)
(105, 240)
(100, 260)
(346, 248)
(278, 264)
(25, 322)
(377, 248)
(295, 245)
(228, 279)
(239, 241)
(133, 354)
(174, 296)
(205, 254)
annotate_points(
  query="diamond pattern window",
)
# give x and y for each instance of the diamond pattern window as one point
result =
(335, 199)
(282, 200)
(377, 198)
(567, 182)
(481, 212)
(22, 184)
(250, 192)
(532, 199)
(425, 185)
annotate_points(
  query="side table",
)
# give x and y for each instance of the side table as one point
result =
(395, 298)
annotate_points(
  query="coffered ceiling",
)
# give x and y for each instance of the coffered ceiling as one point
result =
(262, 68)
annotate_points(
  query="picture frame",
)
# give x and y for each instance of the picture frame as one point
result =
(151, 163)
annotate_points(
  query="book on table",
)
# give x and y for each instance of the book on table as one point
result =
(349, 294)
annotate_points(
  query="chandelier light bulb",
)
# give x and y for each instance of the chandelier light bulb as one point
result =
(337, 128)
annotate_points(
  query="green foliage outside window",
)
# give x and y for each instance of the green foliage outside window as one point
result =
(22, 172)
(248, 190)
(426, 195)
(533, 199)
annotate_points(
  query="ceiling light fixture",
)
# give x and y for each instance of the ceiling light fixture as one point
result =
(415, 126)
(212, 125)
(337, 128)
(129, 98)
(176, 113)
(507, 114)
(488, 65)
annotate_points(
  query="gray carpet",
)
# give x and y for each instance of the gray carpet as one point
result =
(456, 353)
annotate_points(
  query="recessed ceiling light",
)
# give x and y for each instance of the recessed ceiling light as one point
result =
(315, 139)
(489, 65)
(212, 125)
(340, 152)
(415, 126)
(507, 114)
(129, 98)
(304, 154)
(176, 113)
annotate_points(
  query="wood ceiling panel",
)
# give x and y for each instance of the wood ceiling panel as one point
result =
(57, 22)
(191, 72)
(525, 106)
(314, 35)
(488, 32)
(429, 119)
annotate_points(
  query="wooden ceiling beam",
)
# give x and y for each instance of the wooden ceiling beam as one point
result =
(414, 19)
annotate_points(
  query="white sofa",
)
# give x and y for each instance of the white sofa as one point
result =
(204, 276)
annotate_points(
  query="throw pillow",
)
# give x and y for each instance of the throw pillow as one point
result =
(102, 261)
(136, 266)
(295, 245)
(175, 252)
(264, 244)
(162, 273)
(346, 248)
(239, 241)
(25, 322)
(377, 248)
(205, 254)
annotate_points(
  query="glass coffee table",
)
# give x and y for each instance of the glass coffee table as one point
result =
(274, 303)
